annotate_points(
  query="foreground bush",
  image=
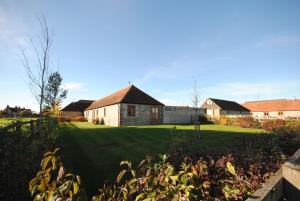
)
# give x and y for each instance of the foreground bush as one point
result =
(229, 177)
(20, 151)
(53, 183)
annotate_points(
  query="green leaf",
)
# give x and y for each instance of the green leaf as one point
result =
(230, 168)
(125, 163)
(75, 187)
(121, 174)
(235, 191)
(133, 173)
(140, 196)
(45, 162)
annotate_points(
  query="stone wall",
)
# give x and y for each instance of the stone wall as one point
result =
(142, 115)
(180, 115)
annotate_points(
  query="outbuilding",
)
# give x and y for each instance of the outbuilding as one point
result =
(217, 107)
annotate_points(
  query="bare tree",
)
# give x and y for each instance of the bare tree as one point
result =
(37, 67)
(196, 100)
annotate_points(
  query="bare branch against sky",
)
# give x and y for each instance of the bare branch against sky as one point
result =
(37, 68)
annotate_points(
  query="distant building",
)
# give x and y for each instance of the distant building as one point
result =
(75, 109)
(131, 106)
(13, 111)
(128, 106)
(216, 108)
(274, 109)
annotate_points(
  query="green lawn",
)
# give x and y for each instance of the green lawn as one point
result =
(94, 152)
(5, 121)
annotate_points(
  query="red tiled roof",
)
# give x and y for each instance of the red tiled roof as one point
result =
(273, 105)
(129, 94)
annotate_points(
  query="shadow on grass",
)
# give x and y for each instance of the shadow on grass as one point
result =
(95, 153)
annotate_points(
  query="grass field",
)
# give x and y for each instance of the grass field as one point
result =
(5, 121)
(94, 152)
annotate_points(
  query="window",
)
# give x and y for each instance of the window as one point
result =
(266, 114)
(104, 112)
(131, 110)
(280, 113)
(210, 112)
(155, 112)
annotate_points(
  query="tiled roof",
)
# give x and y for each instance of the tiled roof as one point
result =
(273, 105)
(78, 106)
(129, 94)
(229, 105)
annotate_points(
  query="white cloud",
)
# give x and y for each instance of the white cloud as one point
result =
(74, 86)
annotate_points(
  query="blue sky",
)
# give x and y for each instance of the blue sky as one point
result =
(236, 50)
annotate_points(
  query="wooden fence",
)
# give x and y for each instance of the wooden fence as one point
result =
(33, 127)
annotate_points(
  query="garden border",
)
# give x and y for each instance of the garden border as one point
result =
(285, 182)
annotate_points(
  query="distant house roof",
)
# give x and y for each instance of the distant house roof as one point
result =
(78, 106)
(129, 94)
(228, 105)
(273, 105)
(14, 109)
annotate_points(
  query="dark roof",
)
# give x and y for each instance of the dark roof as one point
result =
(129, 94)
(13, 109)
(78, 106)
(228, 105)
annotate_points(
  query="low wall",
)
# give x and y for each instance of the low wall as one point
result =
(180, 114)
(271, 191)
(291, 175)
(284, 184)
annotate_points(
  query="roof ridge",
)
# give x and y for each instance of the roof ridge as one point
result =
(223, 100)
(129, 88)
(284, 99)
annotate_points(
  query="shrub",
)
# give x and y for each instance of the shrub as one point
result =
(2, 113)
(62, 119)
(53, 183)
(203, 179)
(25, 113)
(96, 121)
(289, 138)
(272, 124)
(204, 120)
(78, 119)
(20, 154)
(256, 123)
(69, 119)
(224, 121)
(245, 122)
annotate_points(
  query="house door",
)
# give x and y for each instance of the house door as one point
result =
(155, 115)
